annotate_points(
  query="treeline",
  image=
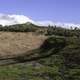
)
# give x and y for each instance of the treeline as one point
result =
(46, 30)
(54, 30)
(19, 28)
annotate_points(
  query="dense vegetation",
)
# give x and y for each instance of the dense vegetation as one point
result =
(58, 58)
(49, 30)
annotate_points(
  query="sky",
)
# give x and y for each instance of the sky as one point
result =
(40, 10)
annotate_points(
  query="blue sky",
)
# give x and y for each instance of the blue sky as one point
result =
(54, 10)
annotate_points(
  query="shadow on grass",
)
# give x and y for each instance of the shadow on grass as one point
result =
(50, 46)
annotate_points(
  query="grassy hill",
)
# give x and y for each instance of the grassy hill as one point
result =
(48, 53)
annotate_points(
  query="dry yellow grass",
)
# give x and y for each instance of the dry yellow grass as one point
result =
(12, 43)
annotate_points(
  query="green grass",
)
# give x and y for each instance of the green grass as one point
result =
(62, 62)
(26, 72)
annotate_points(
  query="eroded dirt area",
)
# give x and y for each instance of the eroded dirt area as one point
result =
(12, 43)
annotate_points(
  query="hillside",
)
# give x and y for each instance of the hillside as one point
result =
(30, 52)
(58, 58)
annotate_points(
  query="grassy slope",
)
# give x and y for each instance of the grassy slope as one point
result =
(61, 64)
(58, 58)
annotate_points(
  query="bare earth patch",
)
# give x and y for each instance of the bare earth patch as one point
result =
(12, 43)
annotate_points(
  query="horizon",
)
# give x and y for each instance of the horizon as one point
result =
(44, 10)
(12, 19)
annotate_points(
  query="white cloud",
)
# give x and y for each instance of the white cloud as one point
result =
(10, 19)
(58, 24)
(13, 19)
(20, 18)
